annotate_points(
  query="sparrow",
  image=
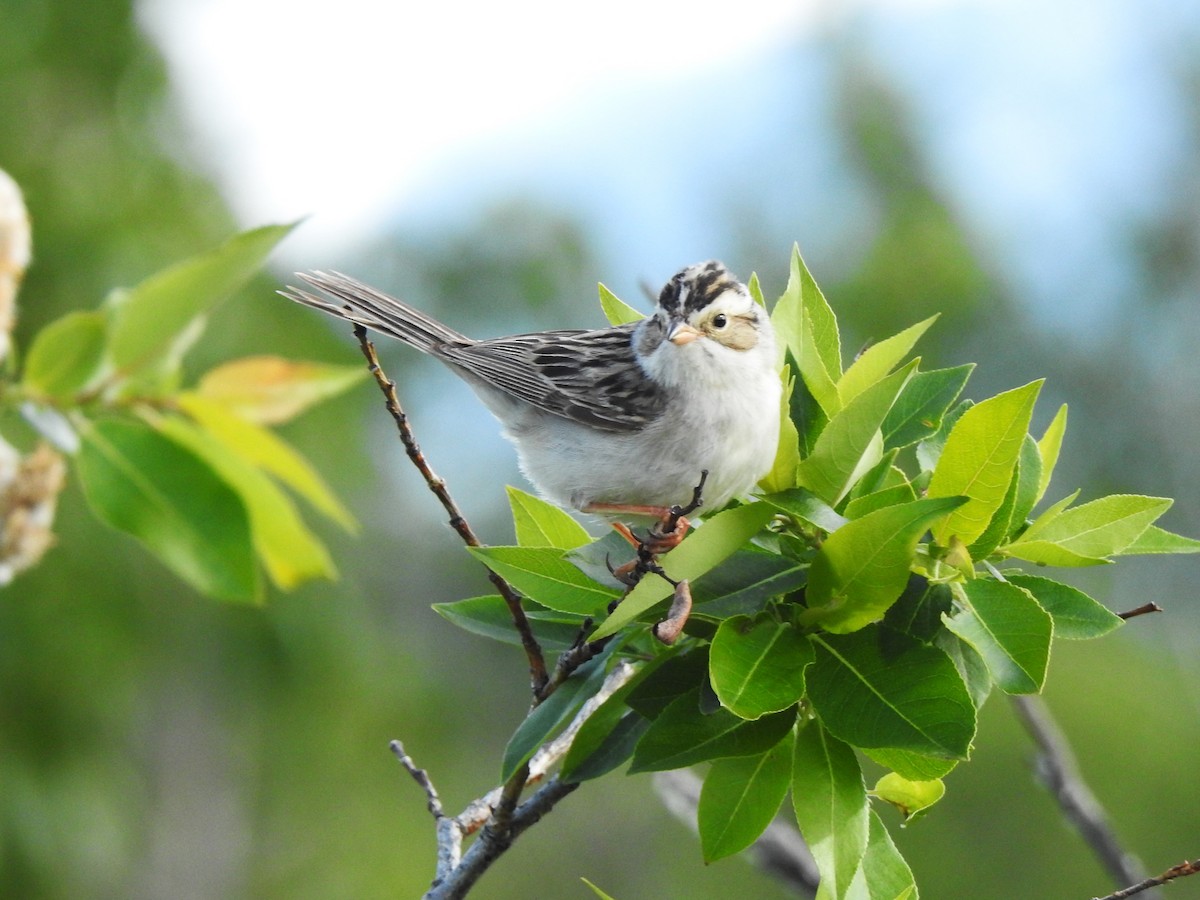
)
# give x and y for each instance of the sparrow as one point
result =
(621, 421)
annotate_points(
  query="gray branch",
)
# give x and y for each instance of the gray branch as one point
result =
(496, 816)
(1058, 770)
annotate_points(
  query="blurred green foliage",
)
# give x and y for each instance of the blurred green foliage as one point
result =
(154, 743)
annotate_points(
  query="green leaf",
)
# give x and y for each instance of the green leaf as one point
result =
(1076, 615)
(929, 450)
(879, 359)
(743, 584)
(978, 461)
(489, 617)
(971, 669)
(678, 675)
(1008, 628)
(909, 698)
(844, 449)
(270, 390)
(291, 553)
(542, 574)
(740, 797)
(787, 455)
(830, 802)
(755, 289)
(595, 890)
(541, 524)
(757, 666)
(821, 383)
(609, 735)
(918, 412)
(1017, 504)
(883, 873)
(863, 567)
(615, 748)
(1029, 478)
(65, 355)
(918, 611)
(1092, 531)
(1158, 540)
(802, 504)
(616, 310)
(1048, 449)
(140, 482)
(911, 798)
(682, 735)
(890, 496)
(914, 766)
(1048, 515)
(269, 452)
(148, 319)
(554, 712)
(705, 548)
(807, 326)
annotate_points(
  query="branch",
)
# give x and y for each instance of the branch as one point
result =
(779, 851)
(437, 484)
(1058, 770)
(1179, 871)
(497, 816)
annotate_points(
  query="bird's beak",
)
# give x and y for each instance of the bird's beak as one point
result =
(682, 333)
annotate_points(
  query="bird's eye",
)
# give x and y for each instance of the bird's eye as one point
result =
(720, 320)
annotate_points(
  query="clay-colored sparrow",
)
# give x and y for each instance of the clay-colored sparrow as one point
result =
(619, 421)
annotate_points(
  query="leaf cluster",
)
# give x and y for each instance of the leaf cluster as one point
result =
(862, 608)
(194, 472)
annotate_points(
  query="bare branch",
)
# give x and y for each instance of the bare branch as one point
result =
(497, 816)
(780, 851)
(1140, 611)
(1180, 871)
(1058, 770)
(421, 777)
(437, 484)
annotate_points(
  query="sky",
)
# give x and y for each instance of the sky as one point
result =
(1050, 126)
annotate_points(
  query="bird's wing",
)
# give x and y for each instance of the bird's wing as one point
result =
(591, 377)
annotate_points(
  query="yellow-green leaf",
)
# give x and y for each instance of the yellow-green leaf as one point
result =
(879, 359)
(616, 310)
(978, 461)
(65, 354)
(910, 797)
(148, 319)
(1049, 447)
(541, 524)
(269, 390)
(787, 455)
(269, 452)
(289, 551)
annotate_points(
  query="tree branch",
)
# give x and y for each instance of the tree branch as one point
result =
(1179, 871)
(498, 816)
(1058, 770)
(533, 651)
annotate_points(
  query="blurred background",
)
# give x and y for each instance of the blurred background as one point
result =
(1030, 170)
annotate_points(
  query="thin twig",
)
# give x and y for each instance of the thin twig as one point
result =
(437, 484)
(1140, 611)
(779, 851)
(1059, 772)
(421, 777)
(1180, 871)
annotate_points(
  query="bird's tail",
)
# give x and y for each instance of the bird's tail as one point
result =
(362, 304)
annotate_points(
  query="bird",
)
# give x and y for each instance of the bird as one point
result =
(620, 422)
